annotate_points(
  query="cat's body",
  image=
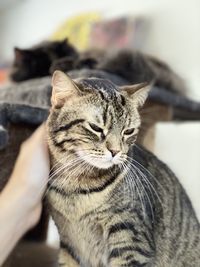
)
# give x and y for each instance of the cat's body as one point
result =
(137, 67)
(110, 211)
(104, 228)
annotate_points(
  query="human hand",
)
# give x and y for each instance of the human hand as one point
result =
(30, 174)
(21, 199)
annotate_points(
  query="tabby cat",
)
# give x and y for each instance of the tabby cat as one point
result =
(114, 203)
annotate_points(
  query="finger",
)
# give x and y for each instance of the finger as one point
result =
(40, 132)
(38, 137)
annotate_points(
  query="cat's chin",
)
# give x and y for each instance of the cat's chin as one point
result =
(105, 162)
(103, 166)
(100, 164)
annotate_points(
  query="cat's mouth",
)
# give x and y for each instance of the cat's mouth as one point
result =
(105, 161)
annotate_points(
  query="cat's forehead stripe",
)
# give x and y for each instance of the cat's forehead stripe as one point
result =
(105, 113)
(108, 92)
(102, 85)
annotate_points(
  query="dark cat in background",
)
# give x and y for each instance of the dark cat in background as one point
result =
(36, 61)
(137, 67)
(133, 66)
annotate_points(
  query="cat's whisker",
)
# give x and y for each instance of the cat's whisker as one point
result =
(61, 162)
(68, 172)
(73, 166)
(132, 182)
(146, 170)
(147, 182)
(60, 169)
(76, 169)
(69, 164)
(145, 192)
(124, 167)
(141, 185)
(150, 185)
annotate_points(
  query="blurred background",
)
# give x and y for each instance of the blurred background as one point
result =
(167, 29)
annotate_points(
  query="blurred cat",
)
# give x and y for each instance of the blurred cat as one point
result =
(133, 66)
(137, 67)
(36, 61)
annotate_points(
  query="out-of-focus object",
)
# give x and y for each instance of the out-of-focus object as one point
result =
(91, 30)
(124, 32)
(36, 61)
(4, 73)
(24, 256)
(3, 76)
(78, 29)
(85, 31)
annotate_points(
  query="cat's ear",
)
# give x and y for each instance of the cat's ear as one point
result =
(137, 92)
(19, 54)
(65, 41)
(63, 88)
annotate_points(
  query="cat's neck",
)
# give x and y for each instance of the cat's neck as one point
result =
(79, 176)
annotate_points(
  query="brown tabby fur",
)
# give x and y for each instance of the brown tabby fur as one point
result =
(125, 210)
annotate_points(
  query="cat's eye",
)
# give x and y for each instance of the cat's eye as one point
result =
(129, 131)
(96, 128)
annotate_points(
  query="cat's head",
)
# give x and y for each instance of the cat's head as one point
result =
(28, 64)
(93, 119)
(36, 61)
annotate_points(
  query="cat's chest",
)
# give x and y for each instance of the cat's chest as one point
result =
(79, 224)
(87, 238)
(75, 206)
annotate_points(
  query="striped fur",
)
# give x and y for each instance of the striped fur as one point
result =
(124, 214)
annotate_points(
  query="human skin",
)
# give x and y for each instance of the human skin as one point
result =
(21, 200)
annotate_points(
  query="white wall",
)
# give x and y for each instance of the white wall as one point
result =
(32, 20)
(174, 33)
(178, 145)
(174, 36)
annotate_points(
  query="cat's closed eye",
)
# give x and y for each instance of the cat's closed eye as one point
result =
(95, 128)
(129, 131)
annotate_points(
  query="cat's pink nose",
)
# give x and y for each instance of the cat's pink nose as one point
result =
(114, 152)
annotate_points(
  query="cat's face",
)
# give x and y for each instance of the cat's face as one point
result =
(94, 120)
